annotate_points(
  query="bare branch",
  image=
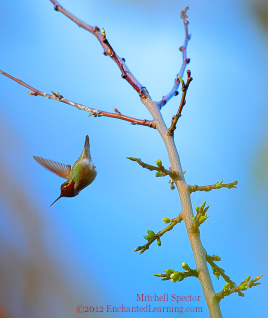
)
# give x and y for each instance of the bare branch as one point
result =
(185, 61)
(175, 118)
(96, 113)
(157, 236)
(217, 185)
(108, 50)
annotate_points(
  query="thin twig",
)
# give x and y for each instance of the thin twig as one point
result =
(173, 174)
(217, 185)
(219, 270)
(97, 113)
(177, 276)
(238, 289)
(175, 118)
(185, 61)
(108, 50)
(146, 246)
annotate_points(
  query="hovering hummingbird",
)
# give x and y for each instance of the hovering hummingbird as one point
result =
(80, 176)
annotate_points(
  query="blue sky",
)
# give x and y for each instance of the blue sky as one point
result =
(80, 250)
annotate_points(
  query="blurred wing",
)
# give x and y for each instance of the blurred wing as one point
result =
(60, 169)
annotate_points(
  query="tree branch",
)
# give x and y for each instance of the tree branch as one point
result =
(108, 50)
(157, 236)
(96, 113)
(173, 174)
(183, 190)
(185, 61)
(176, 276)
(238, 289)
(217, 185)
(183, 102)
(218, 271)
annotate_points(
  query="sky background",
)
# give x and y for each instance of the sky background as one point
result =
(80, 250)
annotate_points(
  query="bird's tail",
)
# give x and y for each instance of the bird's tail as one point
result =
(86, 150)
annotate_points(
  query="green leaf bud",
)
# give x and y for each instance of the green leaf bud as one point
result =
(158, 174)
(185, 266)
(166, 220)
(216, 258)
(247, 279)
(159, 163)
(174, 277)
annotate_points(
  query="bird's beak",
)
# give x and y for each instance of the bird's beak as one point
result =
(56, 200)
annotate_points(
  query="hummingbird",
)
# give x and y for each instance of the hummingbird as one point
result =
(80, 176)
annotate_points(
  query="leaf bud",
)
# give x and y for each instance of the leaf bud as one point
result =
(185, 266)
(166, 220)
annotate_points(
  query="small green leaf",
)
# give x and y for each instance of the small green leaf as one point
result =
(203, 218)
(184, 171)
(158, 174)
(169, 271)
(151, 234)
(158, 241)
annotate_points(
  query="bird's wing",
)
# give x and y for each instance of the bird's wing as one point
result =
(60, 169)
